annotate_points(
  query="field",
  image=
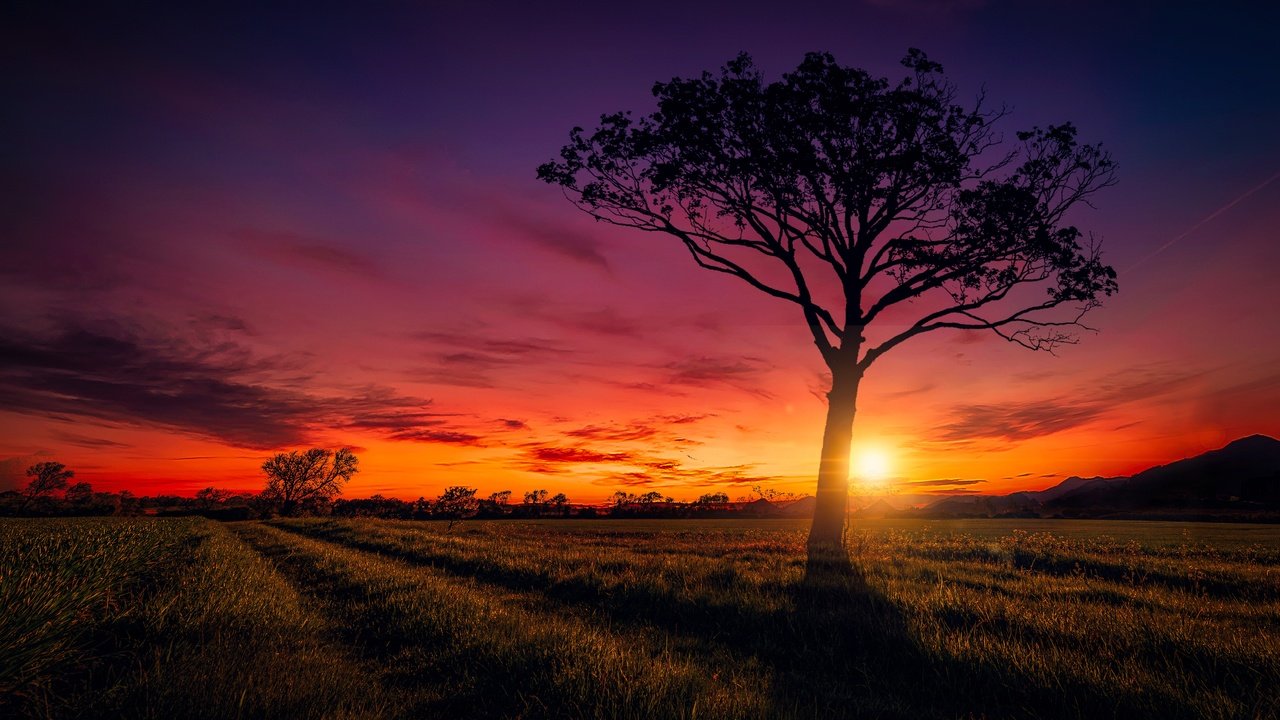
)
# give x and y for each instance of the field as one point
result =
(633, 619)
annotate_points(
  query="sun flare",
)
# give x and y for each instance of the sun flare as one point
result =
(871, 467)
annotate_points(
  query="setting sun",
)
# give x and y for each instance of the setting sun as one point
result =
(871, 467)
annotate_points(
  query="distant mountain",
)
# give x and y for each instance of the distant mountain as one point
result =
(1238, 481)
(802, 508)
(981, 506)
(1073, 484)
(1244, 474)
(878, 509)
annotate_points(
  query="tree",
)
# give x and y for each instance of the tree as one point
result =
(559, 503)
(300, 478)
(621, 497)
(651, 497)
(46, 477)
(882, 210)
(501, 497)
(713, 499)
(456, 503)
(534, 501)
(79, 493)
(211, 496)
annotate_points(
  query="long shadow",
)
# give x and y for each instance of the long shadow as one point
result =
(367, 637)
(838, 649)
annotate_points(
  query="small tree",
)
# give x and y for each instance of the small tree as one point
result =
(456, 503)
(559, 503)
(211, 496)
(882, 210)
(718, 498)
(79, 493)
(651, 497)
(534, 501)
(500, 498)
(46, 478)
(295, 479)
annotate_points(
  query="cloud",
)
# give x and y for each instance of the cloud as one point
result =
(449, 437)
(942, 482)
(613, 432)
(13, 470)
(553, 454)
(667, 473)
(606, 321)
(510, 424)
(1016, 420)
(1025, 419)
(467, 360)
(705, 371)
(297, 250)
(557, 238)
(89, 442)
(199, 386)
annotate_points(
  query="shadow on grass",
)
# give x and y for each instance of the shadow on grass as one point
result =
(838, 648)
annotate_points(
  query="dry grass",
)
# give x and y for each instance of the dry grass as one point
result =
(320, 618)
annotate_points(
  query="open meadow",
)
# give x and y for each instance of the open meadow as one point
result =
(315, 618)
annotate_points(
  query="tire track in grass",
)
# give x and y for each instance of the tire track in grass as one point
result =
(801, 640)
(487, 653)
(584, 585)
(228, 636)
(764, 631)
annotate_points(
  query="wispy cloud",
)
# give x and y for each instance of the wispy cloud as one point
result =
(1019, 420)
(86, 441)
(212, 388)
(473, 360)
(940, 482)
(741, 373)
(298, 250)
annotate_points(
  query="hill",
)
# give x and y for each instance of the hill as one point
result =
(1243, 475)
(1238, 481)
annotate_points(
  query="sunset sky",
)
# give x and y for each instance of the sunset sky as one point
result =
(228, 235)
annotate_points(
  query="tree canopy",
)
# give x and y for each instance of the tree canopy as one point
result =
(47, 477)
(295, 478)
(861, 195)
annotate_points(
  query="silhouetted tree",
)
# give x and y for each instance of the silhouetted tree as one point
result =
(534, 502)
(882, 210)
(46, 478)
(651, 497)
(211, 496)
(78, 494)
(297, 479)
(500, 498)
(713, 499)
(456, 503)
(559, 503)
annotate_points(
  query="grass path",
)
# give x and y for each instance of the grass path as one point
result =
(469, 651)
(1066, 627)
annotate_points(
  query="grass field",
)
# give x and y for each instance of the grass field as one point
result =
(636, 619)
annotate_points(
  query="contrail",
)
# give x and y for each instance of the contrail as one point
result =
(1211, 216)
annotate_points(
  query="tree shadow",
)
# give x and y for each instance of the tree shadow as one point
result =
(850, 651)
(846, 650)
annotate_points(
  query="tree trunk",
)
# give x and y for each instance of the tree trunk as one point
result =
(826, 536)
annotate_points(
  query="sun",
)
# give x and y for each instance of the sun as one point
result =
(871, 467)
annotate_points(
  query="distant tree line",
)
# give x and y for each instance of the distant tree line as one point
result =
(309, 482)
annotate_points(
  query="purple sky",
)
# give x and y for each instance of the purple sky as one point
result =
(247, 230)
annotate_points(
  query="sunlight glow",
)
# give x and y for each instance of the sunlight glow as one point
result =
(871, 467)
